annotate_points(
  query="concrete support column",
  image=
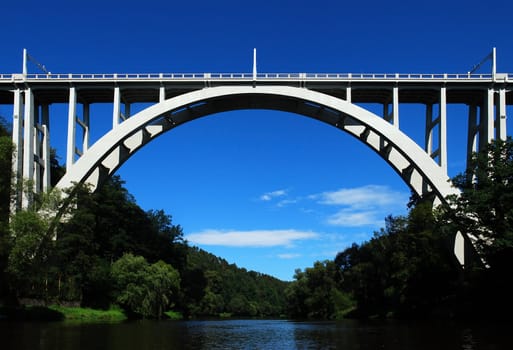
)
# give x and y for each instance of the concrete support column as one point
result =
(46, 157)
(487, 120)
(348, 93)
(429, 129)
(72, 128)
(442, 130)
(473, 131)
(86, 119)
(395, 106)
(17, 140)
(128, 112)
(17, 159)
(28, 145)
(392, 116)
(38, 130)
(162, 94)
(500, 116)
(116, 110)
(45, 151)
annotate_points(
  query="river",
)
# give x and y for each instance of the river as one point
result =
(254, 334)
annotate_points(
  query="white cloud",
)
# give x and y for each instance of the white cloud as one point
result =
(362, 197)
(361, 206)
(289, 256)
(353, 218)
(254, 238)
(270, 195)
(286, 202)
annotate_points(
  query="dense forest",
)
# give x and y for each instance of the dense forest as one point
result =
(408, 268)
(106, 250)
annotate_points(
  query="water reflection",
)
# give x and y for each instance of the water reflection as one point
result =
(254, 334)
(241, 334)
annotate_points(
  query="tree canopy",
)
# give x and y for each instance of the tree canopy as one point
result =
(109, 250)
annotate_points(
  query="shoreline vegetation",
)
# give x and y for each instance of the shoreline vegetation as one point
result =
(55, 313)
(117, 261)
(74, 314)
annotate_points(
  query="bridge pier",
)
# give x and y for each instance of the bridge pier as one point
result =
(31, 141)
(28, 147)
(501, 114)
(392, 116)
(17, 140)
(72, 128)
(436, 131)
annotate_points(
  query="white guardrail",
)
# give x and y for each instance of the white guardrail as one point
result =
(263, 76)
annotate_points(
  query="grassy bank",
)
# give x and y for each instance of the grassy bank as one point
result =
(72, 314)
(173, 315)
(90, 315)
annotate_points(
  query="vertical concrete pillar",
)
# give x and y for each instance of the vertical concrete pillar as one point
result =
(17, 135)
(429, 129)
(28, 145)
(116, 110)
(128, 112)
(442, 130)
(45, 119)
(162, 93)
(37, 156)
(395, 106)
(487, 120)
(17, 140)
(72, 128)
(500, 116)
(46, 156)
(392, 116)
(348, 93)
(473, 130)
(85, 141)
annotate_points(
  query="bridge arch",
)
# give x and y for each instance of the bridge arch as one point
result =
(418, 170)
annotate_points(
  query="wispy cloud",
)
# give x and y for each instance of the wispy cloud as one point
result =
(351, 217)
(361, 206)
(286, 202)
(253, 238)
(363, 197)
(289, 256)
(271, 195)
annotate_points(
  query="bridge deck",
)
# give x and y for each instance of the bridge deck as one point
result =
(364, 87)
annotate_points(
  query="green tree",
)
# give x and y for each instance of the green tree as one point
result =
(212, 286)
(485, 207)
(484, 211)
(167, 241)
(29, 255)
(145, 289)
(163, 286)
(406, 269)
(316, 293)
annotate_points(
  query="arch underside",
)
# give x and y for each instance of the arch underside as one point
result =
(416, 168)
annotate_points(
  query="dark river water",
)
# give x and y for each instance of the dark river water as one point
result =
(255, 334)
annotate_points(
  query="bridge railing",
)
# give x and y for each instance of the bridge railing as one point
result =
(250, 76)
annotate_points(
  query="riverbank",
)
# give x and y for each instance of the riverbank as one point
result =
(61, 313)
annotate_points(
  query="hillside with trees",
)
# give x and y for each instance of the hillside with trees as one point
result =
(107, 250)
(408, 268)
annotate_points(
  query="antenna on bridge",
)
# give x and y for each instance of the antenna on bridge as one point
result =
(254, 65)
(491, 56)
(26, 58)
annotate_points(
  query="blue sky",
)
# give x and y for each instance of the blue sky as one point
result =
(269, 191)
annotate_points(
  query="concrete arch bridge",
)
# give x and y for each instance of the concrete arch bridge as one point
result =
(174, 99)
